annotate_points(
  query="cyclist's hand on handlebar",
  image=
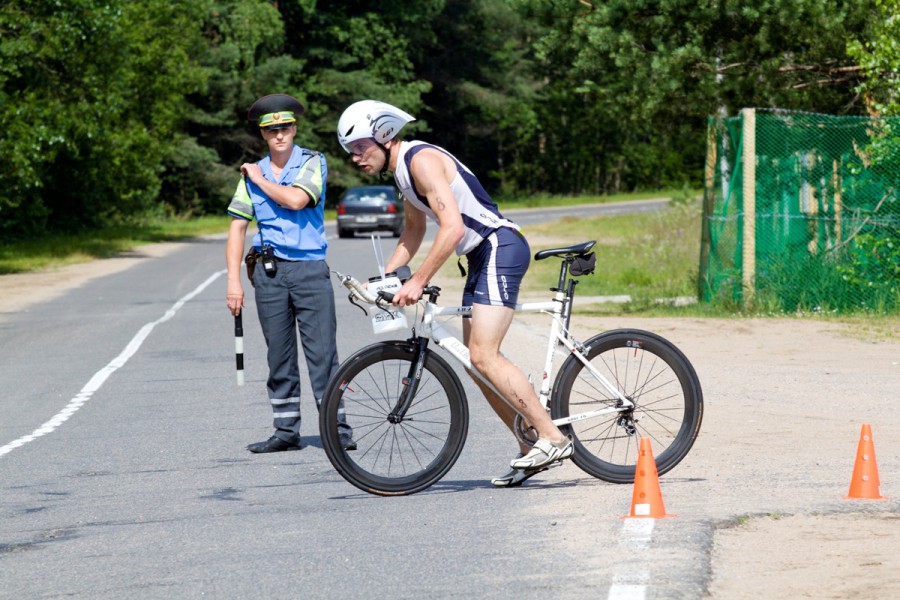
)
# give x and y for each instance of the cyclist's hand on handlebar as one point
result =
(409, 294)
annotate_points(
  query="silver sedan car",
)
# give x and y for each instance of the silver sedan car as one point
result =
(370, 208)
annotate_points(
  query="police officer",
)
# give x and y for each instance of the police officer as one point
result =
(285, 192)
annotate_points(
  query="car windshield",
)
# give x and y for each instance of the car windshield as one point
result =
(369, 195)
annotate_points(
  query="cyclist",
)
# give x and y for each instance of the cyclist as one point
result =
(436, 185)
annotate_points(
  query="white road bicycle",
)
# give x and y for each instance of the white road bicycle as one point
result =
(408, 408)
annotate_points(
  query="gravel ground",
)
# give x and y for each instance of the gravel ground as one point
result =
(785, 400)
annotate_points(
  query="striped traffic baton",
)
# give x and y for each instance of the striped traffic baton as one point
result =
(239, 347)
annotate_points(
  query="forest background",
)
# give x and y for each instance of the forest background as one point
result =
(115, 111)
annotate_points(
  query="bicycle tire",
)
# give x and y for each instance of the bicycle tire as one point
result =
(652, 373)
(394, 458)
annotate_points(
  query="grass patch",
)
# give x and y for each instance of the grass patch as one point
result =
(545, 200)
(647, 256)
(652, 257)
(60, 250)
(876, 328)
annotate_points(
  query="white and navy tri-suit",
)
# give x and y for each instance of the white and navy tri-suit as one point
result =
(497, 254)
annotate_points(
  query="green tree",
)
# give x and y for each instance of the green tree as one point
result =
(114, 109)
(875, 265)
(91, 99)
(636, 80)
(481, 105)
(354, 50)
(243, 57)
(878, 54)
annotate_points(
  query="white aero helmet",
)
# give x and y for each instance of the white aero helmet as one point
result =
(371, 119)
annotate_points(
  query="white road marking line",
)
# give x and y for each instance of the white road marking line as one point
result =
(103, 374)
(635, 535)
(627, 592)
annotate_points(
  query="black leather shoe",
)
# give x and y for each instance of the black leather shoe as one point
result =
(347, 442)
(273, 444)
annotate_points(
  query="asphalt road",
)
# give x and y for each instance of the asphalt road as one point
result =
(124, 473)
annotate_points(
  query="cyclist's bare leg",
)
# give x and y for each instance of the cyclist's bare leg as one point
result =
(483, 334)
(501, 407)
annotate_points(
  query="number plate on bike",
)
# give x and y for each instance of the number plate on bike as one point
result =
(386, 321)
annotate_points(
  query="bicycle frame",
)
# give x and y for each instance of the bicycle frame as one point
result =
(444, 338)
(426, 326)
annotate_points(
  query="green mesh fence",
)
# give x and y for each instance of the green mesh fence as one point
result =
(801, 213)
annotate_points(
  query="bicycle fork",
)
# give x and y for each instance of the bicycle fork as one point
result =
(410, 382)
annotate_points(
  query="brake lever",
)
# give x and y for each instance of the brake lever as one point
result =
(352, 300)
(384, 301)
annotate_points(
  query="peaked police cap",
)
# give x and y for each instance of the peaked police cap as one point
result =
(275, 111)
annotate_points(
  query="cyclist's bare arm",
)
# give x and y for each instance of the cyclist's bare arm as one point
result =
(431, 177)
(414, 224)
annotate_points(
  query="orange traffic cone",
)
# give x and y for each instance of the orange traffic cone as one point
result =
(646, 502)
(865, 483)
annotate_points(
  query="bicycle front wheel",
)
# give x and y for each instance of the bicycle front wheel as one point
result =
(652, 373)
(394, 456)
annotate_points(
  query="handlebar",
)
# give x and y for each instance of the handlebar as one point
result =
(358, 291)
(383, 300)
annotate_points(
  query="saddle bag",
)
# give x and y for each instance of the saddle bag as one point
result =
(583, 265)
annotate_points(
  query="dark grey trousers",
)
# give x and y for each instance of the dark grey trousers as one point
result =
(299, 292)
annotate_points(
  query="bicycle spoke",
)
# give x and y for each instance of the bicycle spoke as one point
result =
(395, 449)
(648, 371)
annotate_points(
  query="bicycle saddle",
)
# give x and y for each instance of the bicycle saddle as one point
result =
(577, 250)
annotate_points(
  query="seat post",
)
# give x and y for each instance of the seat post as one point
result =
(563, 273)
